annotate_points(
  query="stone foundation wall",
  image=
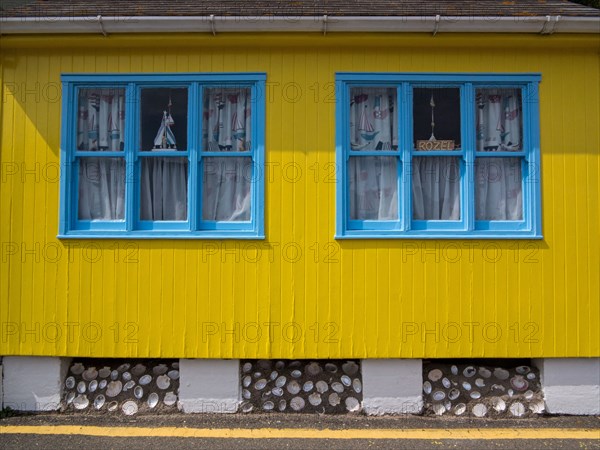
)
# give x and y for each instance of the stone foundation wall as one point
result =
(481, 390)
(304, 386)
(332, 386)
(127, 387)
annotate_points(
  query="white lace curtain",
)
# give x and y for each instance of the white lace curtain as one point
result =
(436, 188)
(373, 188)
(164, 188)
(226, 189)
(435, 180)
(373, 179)
(100, 127)
(498, 188)
(226, 192)
(101, 119)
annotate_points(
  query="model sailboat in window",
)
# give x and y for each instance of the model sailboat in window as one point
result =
(165, 139)
(367, 131)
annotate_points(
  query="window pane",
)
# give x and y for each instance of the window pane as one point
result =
(163, 193)
(164, 119)
(101, 120)
(436, 118)
(101, 189)
(227, 119)
(436, 188)
(373, 119)
(373, 187)
(226, 189)
(498, 189)
(499, 120)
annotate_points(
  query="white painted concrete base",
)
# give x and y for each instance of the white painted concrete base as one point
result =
(392, 386)
(209, 385)
(33, 383)
(570, 385)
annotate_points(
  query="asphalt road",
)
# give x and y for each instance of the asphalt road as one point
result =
(271, 431)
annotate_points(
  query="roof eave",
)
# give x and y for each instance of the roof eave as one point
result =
(318, 24)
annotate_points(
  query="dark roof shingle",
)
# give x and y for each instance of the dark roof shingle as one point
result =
(131, 8)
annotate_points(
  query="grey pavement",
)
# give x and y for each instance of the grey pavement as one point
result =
(290, 421)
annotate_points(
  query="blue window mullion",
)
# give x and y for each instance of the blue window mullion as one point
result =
(73, 112)
(500, 154)
(164, 154)
(405, 141)
(527, 164)
(98, 154)
(74, 192)
(255, 207)
(526, 118)
(429, 154)
(494, 79)
(199, 165)
(67, 160)
(225, 154)
(377, 153)
(531, 122)
(132, 194)
(258, 159)
(374, 225)
(347, 150)
(195, 115)
(341, 154)
(468, 143)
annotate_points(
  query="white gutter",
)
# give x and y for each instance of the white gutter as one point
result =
(318, 24)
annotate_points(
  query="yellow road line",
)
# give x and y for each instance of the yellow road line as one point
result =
(306, 433)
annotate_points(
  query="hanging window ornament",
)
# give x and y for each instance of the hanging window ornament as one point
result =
(433, 144)
(165, 139)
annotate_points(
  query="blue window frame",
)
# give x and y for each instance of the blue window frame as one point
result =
(438, 156)
(162, 156)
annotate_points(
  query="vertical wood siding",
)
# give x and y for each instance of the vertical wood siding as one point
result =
(300, 293)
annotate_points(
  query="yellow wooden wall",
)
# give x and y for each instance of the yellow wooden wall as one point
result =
(303, 294)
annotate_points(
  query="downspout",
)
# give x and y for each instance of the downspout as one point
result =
(436, 25)
(211, 19)
(549, 26)
(99, 19)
